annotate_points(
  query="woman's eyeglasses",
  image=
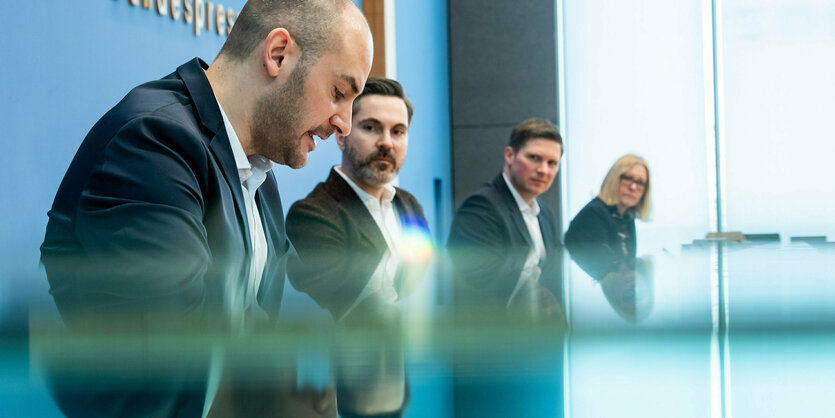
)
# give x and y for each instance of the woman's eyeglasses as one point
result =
(632, 180)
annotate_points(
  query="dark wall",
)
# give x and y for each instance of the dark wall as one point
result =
(503, 69)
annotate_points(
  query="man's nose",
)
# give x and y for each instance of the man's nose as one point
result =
(341, 120)
(385, 140)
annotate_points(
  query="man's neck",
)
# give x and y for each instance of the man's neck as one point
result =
(528, 200)
(234, 104)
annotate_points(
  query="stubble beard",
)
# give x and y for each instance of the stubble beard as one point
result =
(276, 123)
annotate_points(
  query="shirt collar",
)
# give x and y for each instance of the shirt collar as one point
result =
(385, 198)
(254, 166)
(524, 207)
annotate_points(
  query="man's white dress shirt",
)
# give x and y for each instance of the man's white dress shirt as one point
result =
(387, 391)
(531, 271)
(240, 298)
(386, 217)
(252, 172)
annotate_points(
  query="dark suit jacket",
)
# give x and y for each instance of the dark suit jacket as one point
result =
(148, 230)
(339, 245)
(489, 243)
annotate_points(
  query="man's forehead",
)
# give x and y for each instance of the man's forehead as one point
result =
(343, 65)
(342, 72)
(378, 106)
(537, 145)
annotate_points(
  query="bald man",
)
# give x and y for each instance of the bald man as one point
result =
(169, 218)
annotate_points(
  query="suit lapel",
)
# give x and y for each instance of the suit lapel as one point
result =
(193, 75)
(223, 153)
(361, 218)
(272, 216)
(547, 228)
(272, 285)
(513, 209)
(407, 214)
(267, 221)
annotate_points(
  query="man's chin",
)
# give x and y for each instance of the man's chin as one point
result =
(537, 191)
(298, 162)
(376, 177)
(386, 176)
(383, 166)
(294, 161)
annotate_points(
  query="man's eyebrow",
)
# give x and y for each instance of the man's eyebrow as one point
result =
(371, 120)
(352, 81)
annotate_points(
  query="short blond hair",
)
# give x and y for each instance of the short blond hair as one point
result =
(609, 189)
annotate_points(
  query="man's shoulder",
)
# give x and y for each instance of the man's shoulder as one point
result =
(319, 197)
(409, 204)
(545, 211)
(171, 95)
(166, 98)
(328, 197)
(182, 100)
(490, 196)
(406, 197)
(159, 111)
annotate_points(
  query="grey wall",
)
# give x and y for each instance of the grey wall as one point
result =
(503, 69)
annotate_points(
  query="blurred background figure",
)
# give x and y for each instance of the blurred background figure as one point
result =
(602, 241)
(506, 257)
(503, 243)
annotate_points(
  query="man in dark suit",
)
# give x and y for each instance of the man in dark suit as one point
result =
(503, 243)
(363, 244)
(169, 219)
(506, 259)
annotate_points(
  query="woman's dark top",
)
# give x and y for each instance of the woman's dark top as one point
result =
(600, 240)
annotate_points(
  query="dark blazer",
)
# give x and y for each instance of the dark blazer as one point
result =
(148, 230)
(489, 243)
(600, 241)
(339, 245)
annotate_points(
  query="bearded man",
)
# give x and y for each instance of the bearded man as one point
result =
(169, 219)
(352, 232)
(355, 235)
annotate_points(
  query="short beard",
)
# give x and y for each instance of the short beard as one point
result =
(276, 123)
(365, 168)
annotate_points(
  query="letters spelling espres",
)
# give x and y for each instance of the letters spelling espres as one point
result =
(198, 13)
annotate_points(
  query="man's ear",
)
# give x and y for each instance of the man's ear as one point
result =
(340, 142)
(508, 155)
(280, 50)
